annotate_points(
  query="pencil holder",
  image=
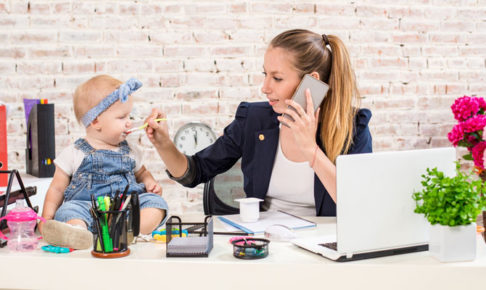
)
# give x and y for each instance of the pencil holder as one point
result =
(111, 233)
(250, 248)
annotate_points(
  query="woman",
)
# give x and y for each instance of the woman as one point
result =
(292, 168)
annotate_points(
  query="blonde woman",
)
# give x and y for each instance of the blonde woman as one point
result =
(292, 168)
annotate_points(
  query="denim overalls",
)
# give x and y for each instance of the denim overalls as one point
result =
(102, 172)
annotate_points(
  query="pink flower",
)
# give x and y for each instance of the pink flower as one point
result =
(478, 153)
(466, 107)
(456, 135)
(470, 112)
(474, 124)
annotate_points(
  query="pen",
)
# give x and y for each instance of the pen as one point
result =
(233, 233)
(122, 209)
(100, 245)
(297, 217)
(143, 126)
(115, 208)
(124, 195)
(93, 202)
(115, 204)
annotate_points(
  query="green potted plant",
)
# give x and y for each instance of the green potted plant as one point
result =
(451, 205)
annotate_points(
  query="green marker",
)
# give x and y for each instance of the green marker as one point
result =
(107, 242)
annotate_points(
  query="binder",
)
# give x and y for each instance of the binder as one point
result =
(3, 145)
(41, 145)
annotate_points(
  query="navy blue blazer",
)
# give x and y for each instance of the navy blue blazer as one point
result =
(242, 139)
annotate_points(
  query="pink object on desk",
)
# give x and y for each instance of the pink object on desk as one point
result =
(21, 222)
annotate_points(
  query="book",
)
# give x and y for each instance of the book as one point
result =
(267, 219)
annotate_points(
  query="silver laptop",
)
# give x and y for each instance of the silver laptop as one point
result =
(375, 208)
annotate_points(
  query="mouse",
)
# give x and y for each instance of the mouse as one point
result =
(279, 233)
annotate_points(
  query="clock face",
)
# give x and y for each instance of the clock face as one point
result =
(193, 137)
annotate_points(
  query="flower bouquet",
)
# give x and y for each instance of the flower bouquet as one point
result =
(470, 113)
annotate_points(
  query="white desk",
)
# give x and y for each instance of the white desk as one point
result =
(286, 267)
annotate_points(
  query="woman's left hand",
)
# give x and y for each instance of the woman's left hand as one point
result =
(304, 126)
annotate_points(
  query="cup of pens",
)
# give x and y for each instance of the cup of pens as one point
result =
(110, 223)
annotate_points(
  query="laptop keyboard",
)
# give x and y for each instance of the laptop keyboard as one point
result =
(330, 245)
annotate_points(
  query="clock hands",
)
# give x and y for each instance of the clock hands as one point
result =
(195, 137)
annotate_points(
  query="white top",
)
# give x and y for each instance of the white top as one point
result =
(70, 158)
(291, 187)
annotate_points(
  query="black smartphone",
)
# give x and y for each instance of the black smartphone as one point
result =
(318, 90)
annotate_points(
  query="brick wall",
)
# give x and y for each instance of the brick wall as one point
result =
(199, 59)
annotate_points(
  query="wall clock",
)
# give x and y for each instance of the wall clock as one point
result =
(193, 137)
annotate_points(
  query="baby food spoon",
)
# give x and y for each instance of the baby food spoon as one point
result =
(131, 130)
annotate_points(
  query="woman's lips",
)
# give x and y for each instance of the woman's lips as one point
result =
(272, 101)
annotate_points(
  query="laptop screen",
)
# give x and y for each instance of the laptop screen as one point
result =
(375, 208)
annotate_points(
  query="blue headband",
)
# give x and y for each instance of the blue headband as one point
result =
(121, 94)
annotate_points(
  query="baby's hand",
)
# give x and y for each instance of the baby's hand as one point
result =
(154, 187)
(39, 226)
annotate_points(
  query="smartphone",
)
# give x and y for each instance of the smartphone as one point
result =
(318, 90)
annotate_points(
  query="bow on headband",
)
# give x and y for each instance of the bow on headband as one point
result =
(121, 94)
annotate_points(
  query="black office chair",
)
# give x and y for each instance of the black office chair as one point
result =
(221, 191)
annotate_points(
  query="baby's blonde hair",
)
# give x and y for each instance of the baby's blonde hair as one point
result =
(91, 92)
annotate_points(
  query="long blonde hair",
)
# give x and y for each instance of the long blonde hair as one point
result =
(310, 53)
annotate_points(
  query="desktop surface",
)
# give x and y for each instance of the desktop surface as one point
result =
(286, 267)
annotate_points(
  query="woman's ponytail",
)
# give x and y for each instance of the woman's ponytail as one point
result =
(341, 104)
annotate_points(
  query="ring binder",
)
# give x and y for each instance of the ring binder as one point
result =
(41, 144)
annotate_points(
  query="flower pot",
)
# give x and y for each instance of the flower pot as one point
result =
(453, 244)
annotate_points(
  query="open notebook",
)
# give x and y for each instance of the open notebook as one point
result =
(267, 218)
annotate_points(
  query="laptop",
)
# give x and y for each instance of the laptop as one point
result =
(375, 208)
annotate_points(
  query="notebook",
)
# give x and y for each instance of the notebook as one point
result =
(375, 208)
(192, 246)
(267, 218)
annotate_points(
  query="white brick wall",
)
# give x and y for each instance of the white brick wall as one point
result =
(199, 59)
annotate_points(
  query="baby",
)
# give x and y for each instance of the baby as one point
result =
(100, 164)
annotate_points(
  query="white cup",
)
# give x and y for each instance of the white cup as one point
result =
(249, 209)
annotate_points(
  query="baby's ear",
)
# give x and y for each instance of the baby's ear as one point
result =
(96, 124)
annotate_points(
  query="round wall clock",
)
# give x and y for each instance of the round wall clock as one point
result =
(193, 137)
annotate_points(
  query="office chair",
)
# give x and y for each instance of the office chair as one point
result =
(221, 191)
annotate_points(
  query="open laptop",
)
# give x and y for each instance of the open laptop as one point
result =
(375, 208)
